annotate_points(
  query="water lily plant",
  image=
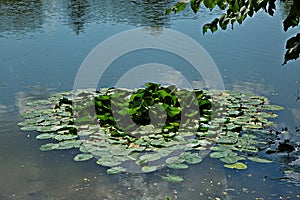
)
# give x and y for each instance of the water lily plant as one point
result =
(156, 126)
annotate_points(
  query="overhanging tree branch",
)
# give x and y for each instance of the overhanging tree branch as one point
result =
(239, 10)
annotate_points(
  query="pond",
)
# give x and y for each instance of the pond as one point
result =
(44, 43)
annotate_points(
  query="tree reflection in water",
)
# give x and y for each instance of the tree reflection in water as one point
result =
(20, 17)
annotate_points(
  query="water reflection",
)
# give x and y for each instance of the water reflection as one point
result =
(77, 13)
(254, 84)
(20, 17)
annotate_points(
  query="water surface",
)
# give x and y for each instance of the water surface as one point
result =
(43, 44)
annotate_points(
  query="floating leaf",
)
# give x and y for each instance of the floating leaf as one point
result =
(45, 136)
(177, 166)
(29, 128)
(219, 148)
(115, 170)
(227, 140)
(68, 144)
(230, 159)
(45, 129)
(83, 157)
(108, 162)
(151, 156)
(174, 159)
(273, 107)
(172, 178)
(237, 165)
(49, 146)
(252, 126)
(259, 160)
(65, 137)
(191, 158)
(149, 169)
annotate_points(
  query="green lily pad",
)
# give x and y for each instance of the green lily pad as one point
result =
(217, 155)
(219, 148)
(259, 160)
(44, 136)
(237, 165)
(30, 128)
(83, 157)
(177, 166)
(45, 129)
(100, 152)
(248, 148)
(174, 159)
(273, 107)
(108, 162)
(230, 159)
(252, 126)
(115, 170)
(151, 156)
(49, 146)
(191, 158)
(172, 178)
(227, 140)
(65, 137)
(68, 144)
(149, 168)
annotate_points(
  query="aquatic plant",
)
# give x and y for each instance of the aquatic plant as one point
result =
(114, 127)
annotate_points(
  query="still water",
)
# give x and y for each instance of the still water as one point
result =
(42, 45)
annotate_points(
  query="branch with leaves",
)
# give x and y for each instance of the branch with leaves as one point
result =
(239, 10)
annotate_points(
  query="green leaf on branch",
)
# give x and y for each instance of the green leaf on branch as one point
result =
(178, 7)
(292, 48)
(195, 5)
(292, 19)
(211, 4)
(213, 26)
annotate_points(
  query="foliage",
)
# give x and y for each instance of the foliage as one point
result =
(230, 124)
(239, 10)
(293, 48)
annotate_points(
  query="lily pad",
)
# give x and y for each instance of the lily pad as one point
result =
(191, 158)
(217, 155)
(151, 156)
(115, 170)
(172, 178)
(45, 129)
(259, 160)
(65, 137)
(30, 128)
(273, 107)
(174, 159)
(45, 136)
(108, 162)
(230, 159)
(49, 146)
(178, 166)
(83, 157)
(237, 165)
(149, 168)
(68, 144)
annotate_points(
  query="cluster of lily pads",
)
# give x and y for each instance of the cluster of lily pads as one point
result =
(149, 128)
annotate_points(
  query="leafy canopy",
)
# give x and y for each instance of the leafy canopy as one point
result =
(239, 10)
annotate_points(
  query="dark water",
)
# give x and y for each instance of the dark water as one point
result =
(42, 45)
